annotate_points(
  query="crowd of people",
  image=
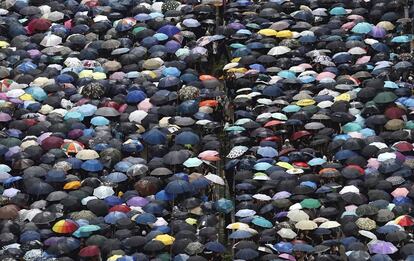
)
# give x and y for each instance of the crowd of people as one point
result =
(215, 130)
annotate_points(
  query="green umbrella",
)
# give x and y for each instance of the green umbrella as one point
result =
(262, 222)
(351, 126)
(310, 203)
(385, 97)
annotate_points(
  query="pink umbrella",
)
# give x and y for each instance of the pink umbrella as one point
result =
(355, 17)
(210, 155)
(305, 65)
(324, 75)
(145, 105)
(363, 59)
(348, 26)
(373, 163)
(400, 192)
(351, 208)
(287, 257)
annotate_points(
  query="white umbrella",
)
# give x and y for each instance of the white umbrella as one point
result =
(357, 51)
(351, 189)
(279, 50)
(237, 151)
(73, 62)
(245, 213)
(297, 215)
(137, 116)
(287, 233)
(25, 214)
(330, 224)
(262, 197)
(367, 234)
(215, 179)
(103, 192)
(51, 40)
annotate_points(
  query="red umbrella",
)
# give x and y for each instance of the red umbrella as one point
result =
(38, 24)
(120, 208)
(273, 123)
(90, 251)
(301, 164)
(52, 142)
(403, 146)
(300, 134)
(394, 113)
(404, 221)
(272, 138)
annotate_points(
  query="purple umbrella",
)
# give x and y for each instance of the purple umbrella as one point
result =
(236, 26)
(4, 117)
(382, 247)
(282, 194)
(377, 32)
(137, 201)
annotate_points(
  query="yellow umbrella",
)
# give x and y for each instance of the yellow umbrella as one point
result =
(284, 165)
(26, 97)
(237, 70)
(4, 44)
(343, 97)
(386, 25)
(114, 258)
(267, 32)
(284, 34)
(236, 60)
(237, 225)
(191, 221)
(305, 102)
(86, 74)
(165, 239)
(98, 75)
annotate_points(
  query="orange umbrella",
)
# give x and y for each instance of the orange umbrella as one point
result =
(207, 77)
(72, 185)
(209, 103)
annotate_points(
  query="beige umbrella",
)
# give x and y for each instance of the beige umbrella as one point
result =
(306, 225)
(87, 154)
(330, 224)
(297, 215)
(287, 233)
(153, 63)
(366, 223)
(394, 124)
(112, 66)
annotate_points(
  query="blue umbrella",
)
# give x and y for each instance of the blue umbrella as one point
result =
(240, 234)
(169, 30)
(272, 91)
(178, 187)
(92, 165)
(114, 216)
(247, 254)
(200, 183)
(190, 22)
(287, 74)
(189, 107)
(267, 152)
(100, 121)
(75, 162)
(345, 154)
(168, 82)
(303, 248)
(171, 71)
(145, 219)
(26, 67)
(122, 166)
(284, 247)
(162, 195)
(215, 246)
(87, 109)
(135, 97)
(362, 28)
(113, 200)
(153, 208)
(55, 175)
(187, 137)
(224, 205)
(401, 39)
(142, 17)
(154, 137)
(37, 93)
(116, 177)
(132, 146)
